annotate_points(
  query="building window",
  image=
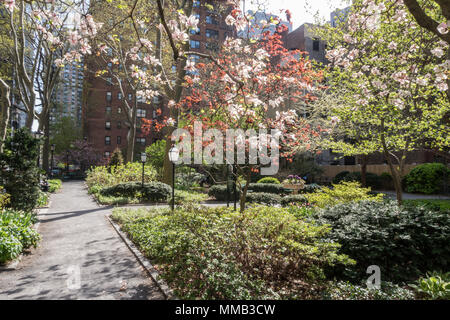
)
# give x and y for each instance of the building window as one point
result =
(119, 110)
(109, 65)
(119, 125)
(119, 139)
(196, 4)
(316, 45)
(194, 44)
(108, 110)
(130, 96)
(211, 20)
(214, 34)
(154, 114)
(195, 31)
(108, 125)
(108, 140)
(141, 141)
(108, 96)
(141, 113)
(119, 96)
(109, 81)
(106, 154)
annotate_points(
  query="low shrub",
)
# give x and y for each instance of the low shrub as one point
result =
(5, 198)
(269, 180)
(404, 243)
(434, 286)
(428, 178)
(215, 253)
(54, 185)
(16, 234)
(263, 198)
(342, 290)
(267, 188)
(183, 197)
(310, 188)
(372, 180)
(105, 176)
(153, 191)
(293, 199)
(43, 199)
(219, 192)
(341, 193)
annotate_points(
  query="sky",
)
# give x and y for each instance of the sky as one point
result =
(303, 10)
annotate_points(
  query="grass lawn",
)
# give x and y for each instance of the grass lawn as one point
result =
(436, 204)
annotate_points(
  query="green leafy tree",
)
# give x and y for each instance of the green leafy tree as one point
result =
(64, 132)
(392, 80)
(156, 153)
(19, 171)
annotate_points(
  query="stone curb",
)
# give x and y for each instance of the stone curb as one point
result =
(149, 268)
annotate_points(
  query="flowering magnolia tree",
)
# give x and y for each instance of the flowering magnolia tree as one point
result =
(43, 40)
(392, 79)
(252, 87)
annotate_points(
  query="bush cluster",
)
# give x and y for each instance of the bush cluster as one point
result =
(268, 188)
(403, 242)
(219, 192)
(263, 198)
(152, 191)
(428, 178)
(105, 176)
(341, 193)
(216, 253)
(19, 171)
(373, 180)
(269, 180)
(293, 199)
(342, 290)
(16, 234)
(54, 185)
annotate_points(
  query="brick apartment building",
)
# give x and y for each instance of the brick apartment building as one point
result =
(104, 120)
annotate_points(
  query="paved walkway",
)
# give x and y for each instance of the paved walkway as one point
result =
(80, 256)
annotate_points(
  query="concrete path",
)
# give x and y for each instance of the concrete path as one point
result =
(80, 256)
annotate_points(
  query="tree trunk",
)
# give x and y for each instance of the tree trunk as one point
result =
(364, 170)
(5, 110)
(396, 177)
(167, 174)
(131, 137)
(243, 199)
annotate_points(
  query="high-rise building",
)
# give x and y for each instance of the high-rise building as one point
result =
(68, 95)
(305, 39)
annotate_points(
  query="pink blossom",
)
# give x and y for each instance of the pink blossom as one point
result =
(443, 28)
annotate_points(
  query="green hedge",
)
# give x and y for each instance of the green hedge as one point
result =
(293, 199)
(269, 180)
(54, 185)
(219, 192)
(153, 191)
(428, 178)
(403, 242)
(267, 188)
(263, 198)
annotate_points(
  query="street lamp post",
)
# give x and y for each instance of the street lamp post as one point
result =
(143, 160)
(174, 155)
(52, 151)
